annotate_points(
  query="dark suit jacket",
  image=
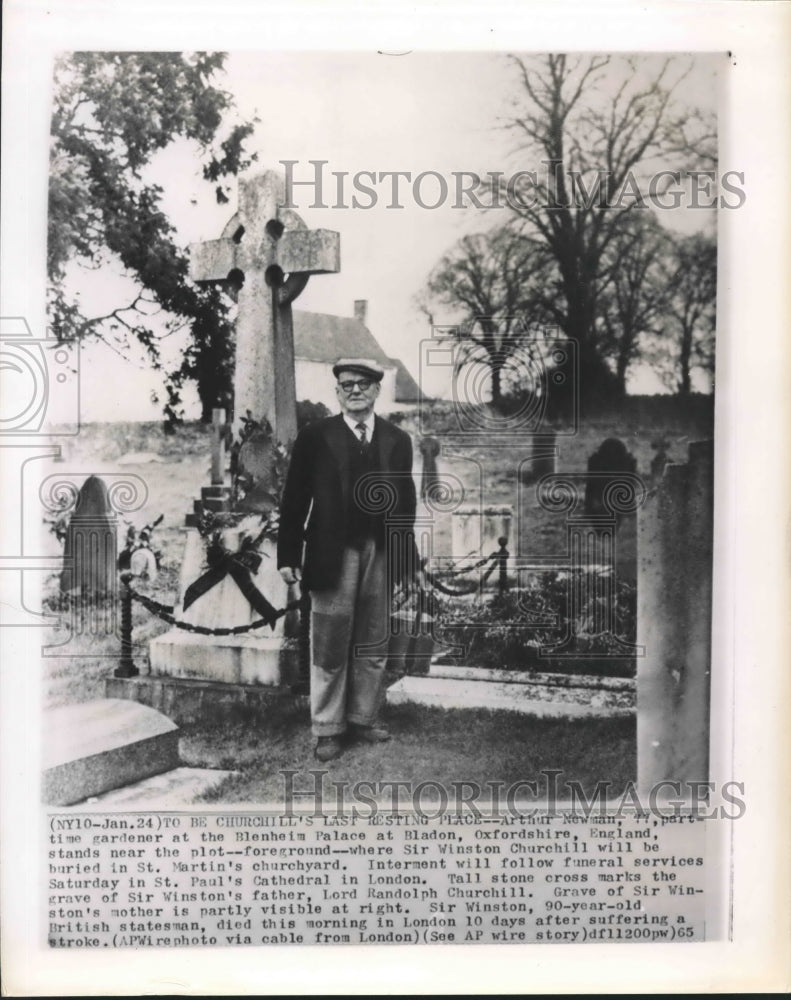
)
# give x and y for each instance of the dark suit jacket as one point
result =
(317, 499)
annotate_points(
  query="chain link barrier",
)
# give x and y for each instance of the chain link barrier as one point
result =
(497, 558)
(165, 612)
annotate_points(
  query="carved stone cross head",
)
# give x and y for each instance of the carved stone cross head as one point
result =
(265, 256)
(265, 238)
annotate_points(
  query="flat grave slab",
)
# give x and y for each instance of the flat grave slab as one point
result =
(525, 697)
(533, 677)
(99, 745)
(172, 790)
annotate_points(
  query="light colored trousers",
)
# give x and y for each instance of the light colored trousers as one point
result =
(344, 686)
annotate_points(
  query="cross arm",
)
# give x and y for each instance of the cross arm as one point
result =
(212, 260)
(310, 251)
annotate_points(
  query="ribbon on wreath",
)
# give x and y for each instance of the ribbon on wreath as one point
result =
(239, 566)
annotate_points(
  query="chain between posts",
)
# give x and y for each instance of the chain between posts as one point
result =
(165, 612)
(498, 558)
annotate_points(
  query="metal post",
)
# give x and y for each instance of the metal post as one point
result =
(126, 666)
(502, 559)
(302, 685)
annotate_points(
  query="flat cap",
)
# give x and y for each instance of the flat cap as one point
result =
(360, 366)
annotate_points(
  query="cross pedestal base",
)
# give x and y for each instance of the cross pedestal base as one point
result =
(230, 659)
(261, 656)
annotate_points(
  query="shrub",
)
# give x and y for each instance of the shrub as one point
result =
(309, 412)
(509, 631)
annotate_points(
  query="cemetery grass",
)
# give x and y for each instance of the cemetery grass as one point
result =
(429, 744)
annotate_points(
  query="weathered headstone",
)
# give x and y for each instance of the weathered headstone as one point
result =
(98, 745)
(265, 257)
(674, 591)
(607, 463)
(660, 459)
(91, 544)
(143, 563)
(476, 533)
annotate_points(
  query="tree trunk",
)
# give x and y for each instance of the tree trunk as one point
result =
(684, 361)
(497, 391)
(621, 367)
(596, 381)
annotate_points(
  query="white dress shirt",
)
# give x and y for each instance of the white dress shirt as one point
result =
(351, 423)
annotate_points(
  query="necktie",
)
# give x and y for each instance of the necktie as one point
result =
(362, 433)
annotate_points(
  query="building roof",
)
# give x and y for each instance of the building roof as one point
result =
(406, 389)
(322, 337)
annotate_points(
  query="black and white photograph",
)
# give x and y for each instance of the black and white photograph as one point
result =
(372, 419)
(467, 503)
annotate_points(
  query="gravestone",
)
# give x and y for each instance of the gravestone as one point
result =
(674, 591)
(91, 544)
(94, 746)
(475, 533)
(606, 465)
(143, 563)
(264, 257)
(660, 459)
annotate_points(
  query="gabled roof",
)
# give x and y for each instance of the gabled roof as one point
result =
(406, 388)
(322, 337)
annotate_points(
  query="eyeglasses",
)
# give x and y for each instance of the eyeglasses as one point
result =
(363, 384)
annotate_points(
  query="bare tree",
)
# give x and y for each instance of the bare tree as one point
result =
(634, 298)
(494, 280)
(685, 341)
(595, 129)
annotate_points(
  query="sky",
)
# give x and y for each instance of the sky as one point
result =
(416, 112)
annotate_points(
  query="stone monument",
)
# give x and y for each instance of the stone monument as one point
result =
(475, 531)
(606, 465)
(264, 258)
(674, 592)
(91, 544)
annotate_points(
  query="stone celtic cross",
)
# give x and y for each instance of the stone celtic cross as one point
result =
(265, 256)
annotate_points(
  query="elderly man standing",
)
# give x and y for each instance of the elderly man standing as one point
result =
(347, 567)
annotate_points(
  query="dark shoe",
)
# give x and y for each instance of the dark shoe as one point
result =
(328, 748)
(369, 734)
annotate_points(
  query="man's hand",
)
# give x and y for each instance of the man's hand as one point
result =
(291, 574)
